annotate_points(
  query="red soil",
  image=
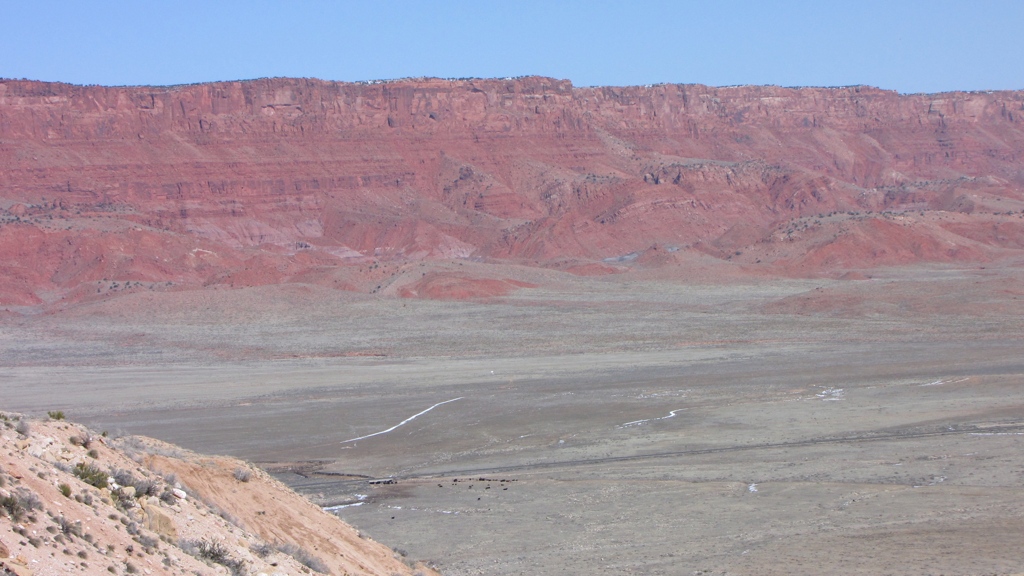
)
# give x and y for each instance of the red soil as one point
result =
(440, 286)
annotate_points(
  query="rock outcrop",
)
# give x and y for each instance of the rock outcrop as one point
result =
(107, 189)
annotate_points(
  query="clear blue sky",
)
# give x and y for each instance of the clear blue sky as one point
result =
(905, 45)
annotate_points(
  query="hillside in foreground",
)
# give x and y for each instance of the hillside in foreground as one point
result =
(76, 502)
(379, 187)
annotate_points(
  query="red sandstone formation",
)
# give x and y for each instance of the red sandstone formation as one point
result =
(282, 180)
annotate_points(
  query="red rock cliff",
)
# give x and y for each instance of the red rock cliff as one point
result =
(279, 180)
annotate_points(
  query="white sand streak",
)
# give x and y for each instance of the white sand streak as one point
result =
(403, 422)
(941, 382)
(342, 506)
(639, 422)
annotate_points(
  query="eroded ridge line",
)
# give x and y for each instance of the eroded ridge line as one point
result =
(403, 422)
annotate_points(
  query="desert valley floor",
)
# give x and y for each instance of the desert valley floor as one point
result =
(621, 424)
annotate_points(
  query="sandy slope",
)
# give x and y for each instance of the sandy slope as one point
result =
(260, 525)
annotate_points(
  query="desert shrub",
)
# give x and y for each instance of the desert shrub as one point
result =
(214, 552)
(65, 490)
(262, 550)
(146, 488)
(11, 505)
(132, 446)
(69, 528)
(27, 500)
(91, 475)
(242, 474)
(227, 516)
(168, 497)
(85, 440)
(23, 427)
(304, 557)
(123, 477)
(93, 453)
(56, 415)
(143, 487)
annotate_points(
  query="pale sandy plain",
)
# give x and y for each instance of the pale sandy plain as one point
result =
(868, 426)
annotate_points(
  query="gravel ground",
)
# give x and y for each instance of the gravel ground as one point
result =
(790, 426)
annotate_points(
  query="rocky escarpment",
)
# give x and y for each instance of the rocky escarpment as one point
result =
(298, 180)
(76, 502)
